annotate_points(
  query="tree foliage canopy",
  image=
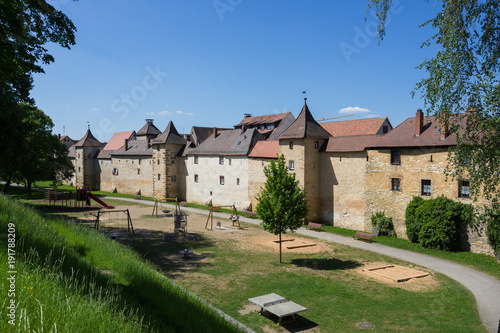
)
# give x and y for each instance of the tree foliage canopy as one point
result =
(464, 75)
(281, 203)
(25, 28)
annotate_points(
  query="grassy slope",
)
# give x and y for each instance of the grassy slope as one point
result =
(61, 283)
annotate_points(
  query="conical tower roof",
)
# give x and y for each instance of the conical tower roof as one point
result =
(88, 140)
(170, 135)
(304, 127)
(149, 129)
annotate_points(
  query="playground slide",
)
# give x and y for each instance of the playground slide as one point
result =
(90, 195)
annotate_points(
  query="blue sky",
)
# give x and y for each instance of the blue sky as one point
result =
(206, 63)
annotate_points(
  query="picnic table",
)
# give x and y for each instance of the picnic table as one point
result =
(277, 305)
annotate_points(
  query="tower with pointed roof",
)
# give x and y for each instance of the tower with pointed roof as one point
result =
(85, 162)
(166, 173)
(300, 144)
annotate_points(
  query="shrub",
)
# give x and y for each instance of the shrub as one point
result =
(493, 229)
(412, 223)
(442, 221)
(384, 224)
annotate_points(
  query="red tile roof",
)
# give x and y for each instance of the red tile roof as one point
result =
(265, 119)
(118, 140)
(354, 127)
(404, 134)
(266, 149)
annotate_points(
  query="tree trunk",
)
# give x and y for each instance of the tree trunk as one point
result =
(7, 185)
(29, 188)
(280, 247)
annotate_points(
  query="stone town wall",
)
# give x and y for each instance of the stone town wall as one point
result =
(203, 181)
(417, 164)
(342, 192)
(135, 173)
(166, 171)
(256, 178)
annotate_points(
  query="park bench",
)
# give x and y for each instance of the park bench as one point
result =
(312, 225)
(249, 213)
(277, 305)
(363, 236)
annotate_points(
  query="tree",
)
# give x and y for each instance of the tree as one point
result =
(40, 155)
(25, 28)
(281, 203)
(464, 76)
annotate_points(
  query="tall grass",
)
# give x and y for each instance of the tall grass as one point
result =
(73, 279)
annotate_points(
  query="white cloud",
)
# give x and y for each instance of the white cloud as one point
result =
(163, 113)
(354, 109)
(150, 113)
(95, 109)
(184, 113)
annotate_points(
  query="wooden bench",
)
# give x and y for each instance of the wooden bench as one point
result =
(363, 236)
(312, 225)
(249, 213)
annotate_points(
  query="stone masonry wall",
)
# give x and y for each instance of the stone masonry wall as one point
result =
(342, 192)
(416, 165)
(256, 178)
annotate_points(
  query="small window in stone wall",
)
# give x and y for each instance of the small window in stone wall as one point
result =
(396, 184)
(115, 172)
(174, 178)
(237, 181)
(290, 145)
(159, 177)
(221, 180)
(464, 189)
(138, 171)
(140, 161)
(426, 187)
(395, 157)
(221, 160)
(316, 144)
(195, 178)
(196, 160)
(78, 169)
(291, 165)
(173, 161)
(229, 161)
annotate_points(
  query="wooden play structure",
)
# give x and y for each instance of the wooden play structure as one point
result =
(79, 198)
(234, 216)
(121, 216)
(172, 208)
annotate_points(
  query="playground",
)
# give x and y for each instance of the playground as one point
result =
(228, 264)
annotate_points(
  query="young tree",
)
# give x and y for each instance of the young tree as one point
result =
(281, 203)
(464, 76)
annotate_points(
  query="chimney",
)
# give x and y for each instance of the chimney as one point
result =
(419, 122)
(215, 132)
(149, 121)
(126, 144)
(444, 127)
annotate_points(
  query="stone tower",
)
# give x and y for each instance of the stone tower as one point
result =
(86, 164)
(300, 144)
(166, 148)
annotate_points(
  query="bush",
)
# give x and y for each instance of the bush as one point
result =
(412, 223)
(442, 221)
(384, 224)
(493, 229)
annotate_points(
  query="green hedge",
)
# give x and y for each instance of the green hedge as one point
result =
(384, 224)
(493, 228)
(437, 223)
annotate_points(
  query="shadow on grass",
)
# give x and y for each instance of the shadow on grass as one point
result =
(329, 264)
(300, 323)
(164, 250)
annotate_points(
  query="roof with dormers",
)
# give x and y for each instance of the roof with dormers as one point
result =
(369, 126)
(232, 142)
(88, 140)
(304, 127)
(170, 136)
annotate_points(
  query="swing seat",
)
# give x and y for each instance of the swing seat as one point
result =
(166, 211)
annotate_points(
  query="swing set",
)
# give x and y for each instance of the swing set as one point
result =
(172, 205)
(180, 217)
(234, 216)
(118, 223)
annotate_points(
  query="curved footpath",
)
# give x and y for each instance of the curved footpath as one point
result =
(485, 288)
